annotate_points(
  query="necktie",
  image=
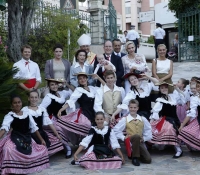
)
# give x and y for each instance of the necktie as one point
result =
(118, 54)
(27, 63)
(108, 58)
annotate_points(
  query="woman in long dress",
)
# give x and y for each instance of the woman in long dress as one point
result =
(99, 155)
(19, 154)
(79, 120)
(41, 118)
(52, 102)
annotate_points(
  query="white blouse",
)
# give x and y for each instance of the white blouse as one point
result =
(113, 139)
(37, 113)
(159, 104)
(77, 94)
(181, 100)
(146, 87)
(194, 103)
(63, 96)
(163, 66)
(8, 119)
(121, 126)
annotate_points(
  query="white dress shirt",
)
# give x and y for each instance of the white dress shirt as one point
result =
(99, 96)
(8, 119)
(121, 126)
(27, 71)
(159, 33)
(132, 35)
(194, 103)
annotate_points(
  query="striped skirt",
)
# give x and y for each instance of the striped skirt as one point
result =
(166, 136)
(75, 123)
(56, 144)
(181, 112)
(89, 161)
(14, 162)
(190, 134)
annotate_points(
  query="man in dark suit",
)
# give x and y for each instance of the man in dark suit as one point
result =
(114, 59)
(117, 48)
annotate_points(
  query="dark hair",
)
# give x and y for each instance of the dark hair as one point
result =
(29, 93)
(125, 31)
(48, 84)
(58, 45)
(99, 113)
(133, 101)
(12, 96)
(25, 46)
(77, 53)
(108, 72)
(193, 78)
(106, 41)
(185, 82)
(116, 39)
(79, 85)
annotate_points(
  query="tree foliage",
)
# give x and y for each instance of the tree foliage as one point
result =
(54, 29)
(180, 6)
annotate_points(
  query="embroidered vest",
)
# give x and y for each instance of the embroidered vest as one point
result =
(134, 127)
(111, 100)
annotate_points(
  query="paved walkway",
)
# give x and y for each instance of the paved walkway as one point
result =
(162, 161)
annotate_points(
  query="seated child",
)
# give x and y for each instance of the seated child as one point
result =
(103, 62)
(138, 131)
(99, 155)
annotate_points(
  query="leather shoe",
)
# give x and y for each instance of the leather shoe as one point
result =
(176, 157)
(73, 162)
(68, 156)
(135, 161)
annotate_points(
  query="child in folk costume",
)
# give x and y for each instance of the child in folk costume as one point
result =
(41, 118)
(19, 154)
(140, 91)
(109, 96)
(79, 120)
(181, 109)
(189, 131)
(52, 102)
(138, 131)
(99, 155)
(164, 120)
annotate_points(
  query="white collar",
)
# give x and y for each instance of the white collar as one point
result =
(60, 99)
(89, 94)
(130, 118)
(78, 65)
(23, 116)
(23, 60)
(117, 53)
(101, 131)
(106, 88)
(162, 100)
(36, 113)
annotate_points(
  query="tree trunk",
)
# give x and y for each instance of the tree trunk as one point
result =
(19, 24)
(14, 30)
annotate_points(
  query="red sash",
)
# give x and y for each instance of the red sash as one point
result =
(78, 115)
(30, 83)
(128, 146)
(160, 124)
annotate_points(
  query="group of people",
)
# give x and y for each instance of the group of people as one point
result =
(97, 101)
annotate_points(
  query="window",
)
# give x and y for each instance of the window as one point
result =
(138, 10)
(128, 10)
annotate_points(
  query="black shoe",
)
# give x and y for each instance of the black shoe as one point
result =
(135, 161)
(176, 157)
(73, 162)
(68, 156)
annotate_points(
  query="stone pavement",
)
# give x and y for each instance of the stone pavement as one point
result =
(162, 161)
(162, 164)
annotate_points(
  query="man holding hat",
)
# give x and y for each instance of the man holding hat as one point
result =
(133, 36)
(84, 42)
(159, 35)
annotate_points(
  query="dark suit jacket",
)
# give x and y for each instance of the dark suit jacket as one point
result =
(117, 62)
(122, 54)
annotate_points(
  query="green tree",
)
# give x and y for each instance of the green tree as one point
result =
(54, 29)
(179, 6)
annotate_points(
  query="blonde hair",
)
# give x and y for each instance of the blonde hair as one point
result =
(161, 45)
(128, 43)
